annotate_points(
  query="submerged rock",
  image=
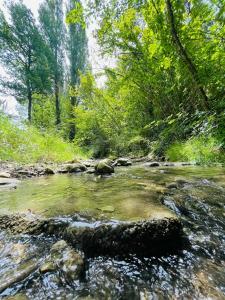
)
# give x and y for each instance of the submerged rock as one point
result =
(107, 209)
(104, 167)
(65, 259)
(18, 275)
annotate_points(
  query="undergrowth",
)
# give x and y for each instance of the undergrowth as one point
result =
(28, 144)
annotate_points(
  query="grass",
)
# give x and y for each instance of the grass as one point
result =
(201, 150)
(28, 145)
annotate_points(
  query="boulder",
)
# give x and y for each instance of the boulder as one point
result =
(122, 161)
(149, 237)
(104, 167)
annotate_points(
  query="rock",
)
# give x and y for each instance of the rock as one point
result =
(123, 162)
(18, 252)
(104, 167)
(59, 246)
(48, 267)
(72, 168)
(8, 183)
(18, 297)
(152, 164)
(25, 173)
(89, 163)
(152, 237)
(90, 171)
(149, 237)
(19, 274)
(168, 164)
(22, 223)
(66, 259)
(49, 171)
(4, 175)
(107, 209)
(186, 163)
(172, 185)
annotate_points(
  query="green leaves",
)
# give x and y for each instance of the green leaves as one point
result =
(76, 15)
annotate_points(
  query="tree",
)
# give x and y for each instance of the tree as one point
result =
(77, 52)
(51, 20)
(24, 55)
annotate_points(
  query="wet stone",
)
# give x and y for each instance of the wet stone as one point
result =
(65, 259)
(4, 175)
(123, 162)
(152, 164)
(49, 171)
(72, 168)
(172, 185)
(104, 167)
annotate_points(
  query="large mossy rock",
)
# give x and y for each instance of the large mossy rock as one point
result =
(149, 237)
(153, 237)
(104, 167)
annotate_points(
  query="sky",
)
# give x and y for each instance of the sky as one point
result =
(96, 61)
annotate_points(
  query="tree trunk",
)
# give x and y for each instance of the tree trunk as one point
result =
(72, 132)
(184, 55)
(29, 96)
(57, 103)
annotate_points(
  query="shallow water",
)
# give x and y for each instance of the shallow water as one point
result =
(197, 272)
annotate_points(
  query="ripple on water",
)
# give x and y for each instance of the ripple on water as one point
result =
(196, 273)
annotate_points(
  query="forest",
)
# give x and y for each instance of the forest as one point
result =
(164, 96)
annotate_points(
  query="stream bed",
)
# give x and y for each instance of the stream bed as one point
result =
(194, 194)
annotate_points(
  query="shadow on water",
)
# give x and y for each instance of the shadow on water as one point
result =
(197, 196)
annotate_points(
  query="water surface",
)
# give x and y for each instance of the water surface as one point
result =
(197, 272)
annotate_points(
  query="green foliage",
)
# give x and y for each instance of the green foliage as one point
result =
(27, 144)
(76, 15)
(164, 95)
(202, 150)
(139, 146)
(24, 55)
